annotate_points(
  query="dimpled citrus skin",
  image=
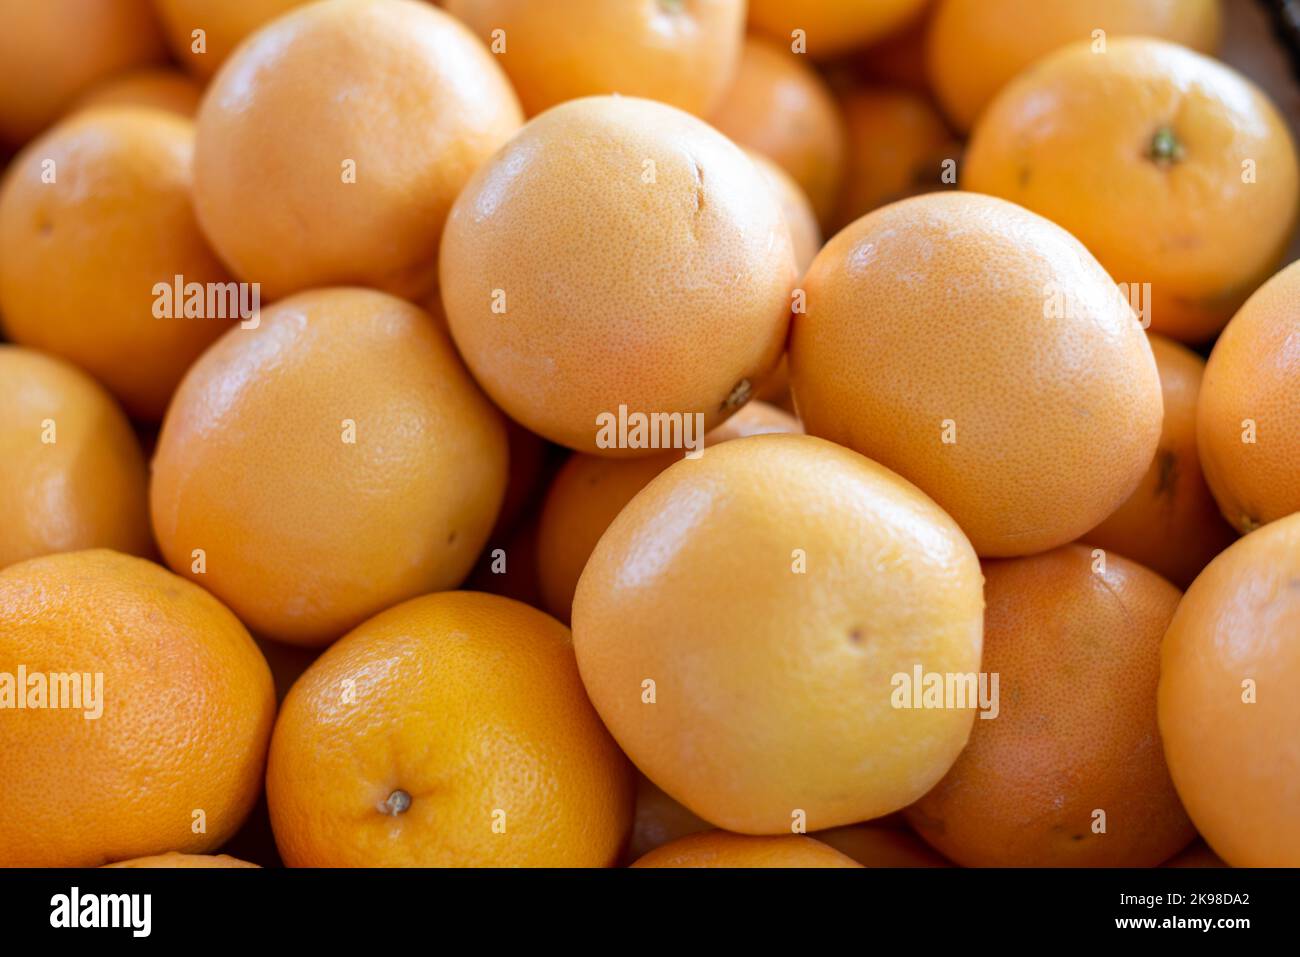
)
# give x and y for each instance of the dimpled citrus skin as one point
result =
(53, 50)
(832, 26)
(929, 316)
(187, 711)
(301, 100)
(163, 89)
(680, 52)
(590, 490)
(805, 234)
(224, 25)
(1072, 139)
(84, 489)
(771, 590)
(1237, 764)
(779, 106)
(173, 859)
(720, 849)
(306, 534)
(1077, 653)
(1170, 523)
(80, 257)
(668, 296)
(471, 705)
(1254, 373)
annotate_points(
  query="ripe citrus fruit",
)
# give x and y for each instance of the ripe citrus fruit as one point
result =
(173, 761)
(983, 354)
(780, 107)
(1248, 418)
(326, 465)
(163, 89)
(805, 233)
(223, 25)
(680, 52)
(720, 849)
(73, 475)
(831, 27)
(589, 491)
(1197, 854)
(754, 606)
(874, 845)
(94, 216)
(1069, 772)
(617, 252)
(1200, 191)
(450, 730)
(1170, 523)
(304, 145)
(975, 47)
(172, 859)
(1228, 709)
(658, 820)
(52, 51)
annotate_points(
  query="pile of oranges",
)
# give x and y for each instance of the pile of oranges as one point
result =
(663, 432)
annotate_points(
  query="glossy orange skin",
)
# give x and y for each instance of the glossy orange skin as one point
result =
(781, 676)
(273, 142)
(161, 88)
(619, 235)
(173, 859)
(305, 534)
(1254, 373)
(468, 703)
(721, 849)
(1078, 657)
(1236, 764)
(1170, 523)
(832, 26)
(80, 257)
(86, 489)
(682, 52)
(934, 310)
(187, 712)
(224, 25)
(1073, 139)
(876, 845)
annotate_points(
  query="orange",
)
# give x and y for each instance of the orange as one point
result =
(980, 352)
(161, 88)
(73, 475)
(589, 491)
(1069, 773)
(528, 461)
(778, 106)
(741, 625)
(223, 25)
(184, 704)
(899, 59)
(720, 849)
(51, 51)
(873, 845)
(83, 257)
(659, 819)
(1174, 170)
(172, 859)
(976, 47)
(897, 145)
(1228, 709)
(805, 233)
(617, 253)
(328, 464)
(830, 27)
(1198, 854)
(315, 168)
(1248, 417)
(680, 52)
(1170, 523)
(451, 730)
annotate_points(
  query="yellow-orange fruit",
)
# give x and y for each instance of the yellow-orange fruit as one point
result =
(160, 88)
(1170, 523)
(982, 353)
(96, 223)
(1248, 416)
(175, 734)
(831, 27)
(223, 24)
(617, 253)
(1069, 771)
(876, 845)
(1175, 171)
(315, 167)
(721, 849)
(975, 47)
(681, 52)
(1229, 668)
(329, 463)
(51, 51)
(756, 606)
(73, 475)
(172, 859)
(469, 742)
(780, 107)
(805, 233)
